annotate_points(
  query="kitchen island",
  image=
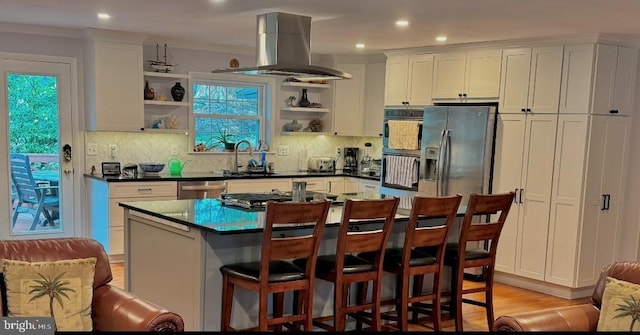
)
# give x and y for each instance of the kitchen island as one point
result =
(174, 250)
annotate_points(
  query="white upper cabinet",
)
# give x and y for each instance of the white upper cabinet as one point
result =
(598, 79)
(530, 80)
(575, 91)
(374, 100)
(348, 104)
(114, 86)
(614, 80)
(408, 80)
(467, 75)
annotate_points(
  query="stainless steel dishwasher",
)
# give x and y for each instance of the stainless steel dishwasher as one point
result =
(200, 189)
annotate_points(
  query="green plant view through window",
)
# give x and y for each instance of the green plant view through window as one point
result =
(33, 115)
(225, 114)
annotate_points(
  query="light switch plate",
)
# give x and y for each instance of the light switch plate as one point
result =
(283, 150)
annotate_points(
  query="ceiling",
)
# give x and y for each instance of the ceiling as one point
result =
(337, 25)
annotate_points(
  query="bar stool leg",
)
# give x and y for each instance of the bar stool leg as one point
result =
(227, 300)
(418, 282)
(489, 296)
(278, 307)
(339, 301)
(403, 308)
(363, 290)
(436, 312)
(376, 323)
(263, 305)
(457, 303)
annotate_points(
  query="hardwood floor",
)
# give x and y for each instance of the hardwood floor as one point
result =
(507, 300)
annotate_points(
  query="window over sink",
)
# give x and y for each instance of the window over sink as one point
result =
(225, 112)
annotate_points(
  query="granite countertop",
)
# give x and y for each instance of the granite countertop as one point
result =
(212, 215)
(206, 176)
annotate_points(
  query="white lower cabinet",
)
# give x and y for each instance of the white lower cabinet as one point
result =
(587, 197)
(524, 164)
(563, 227)
(351, 185)
(106, 215)
(366, 185)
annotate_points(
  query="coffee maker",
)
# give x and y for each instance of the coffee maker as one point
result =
(351, 160)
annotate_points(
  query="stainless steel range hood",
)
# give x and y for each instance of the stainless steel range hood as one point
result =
(283, 49)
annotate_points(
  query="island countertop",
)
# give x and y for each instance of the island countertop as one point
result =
(214, 216)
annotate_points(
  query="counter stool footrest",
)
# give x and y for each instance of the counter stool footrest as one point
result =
(474, 302)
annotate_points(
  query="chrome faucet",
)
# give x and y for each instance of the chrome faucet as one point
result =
(235, 165)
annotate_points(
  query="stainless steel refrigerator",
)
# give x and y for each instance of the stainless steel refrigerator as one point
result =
(457, 150)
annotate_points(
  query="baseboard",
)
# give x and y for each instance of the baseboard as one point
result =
(116, 258)
(543, 287)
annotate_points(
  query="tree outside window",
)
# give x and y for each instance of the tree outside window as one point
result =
(227, 113)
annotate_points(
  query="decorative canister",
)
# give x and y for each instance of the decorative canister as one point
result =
(177, 92)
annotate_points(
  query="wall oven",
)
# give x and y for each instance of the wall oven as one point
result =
(401, 151)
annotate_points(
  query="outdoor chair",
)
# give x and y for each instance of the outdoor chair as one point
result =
(31, 196)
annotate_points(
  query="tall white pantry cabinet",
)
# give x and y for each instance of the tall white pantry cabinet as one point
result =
(577, 234)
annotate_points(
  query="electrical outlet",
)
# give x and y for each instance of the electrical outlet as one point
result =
(338, 151)
(174, 150)
(283, 150)
(114, 150)
(92, 149)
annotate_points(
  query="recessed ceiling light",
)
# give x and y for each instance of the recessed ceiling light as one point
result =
(360, 45)
(217, 2)
(104, 16)
(441, 38)
(402, 23)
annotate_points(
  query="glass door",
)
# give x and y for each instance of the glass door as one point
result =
(35, 103)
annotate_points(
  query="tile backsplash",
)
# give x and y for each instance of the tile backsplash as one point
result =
(154, 147)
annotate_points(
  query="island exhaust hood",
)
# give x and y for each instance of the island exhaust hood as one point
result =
(283, 49)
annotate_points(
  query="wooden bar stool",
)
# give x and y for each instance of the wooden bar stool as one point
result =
(273, 274)
(458, 257)
(422, 253)
(345, 268)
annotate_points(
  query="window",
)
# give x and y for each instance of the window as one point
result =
(228, 112)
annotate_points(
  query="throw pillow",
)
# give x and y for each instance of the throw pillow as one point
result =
(620, 310)
(62, 290)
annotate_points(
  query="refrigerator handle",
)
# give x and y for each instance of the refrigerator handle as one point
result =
(515, 196)
(445, 159)
(439, 167)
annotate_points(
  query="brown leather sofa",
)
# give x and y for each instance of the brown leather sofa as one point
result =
(113, 309)
(571, 318)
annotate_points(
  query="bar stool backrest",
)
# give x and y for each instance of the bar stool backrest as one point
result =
(293, 214)
(424, 208)
(363, 241)
(493, 205)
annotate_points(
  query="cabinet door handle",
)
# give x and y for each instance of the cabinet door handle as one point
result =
(608, 201)
(521, 191)
(460, 95)
(144, 190)
(613, 111)
(464, 95)
(604, 202)
(515, 197)
(528, 110)
(523, 110)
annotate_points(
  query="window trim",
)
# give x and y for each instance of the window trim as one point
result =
(267, 84)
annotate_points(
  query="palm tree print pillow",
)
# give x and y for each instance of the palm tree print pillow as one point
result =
(620, 310)
(62, 290)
